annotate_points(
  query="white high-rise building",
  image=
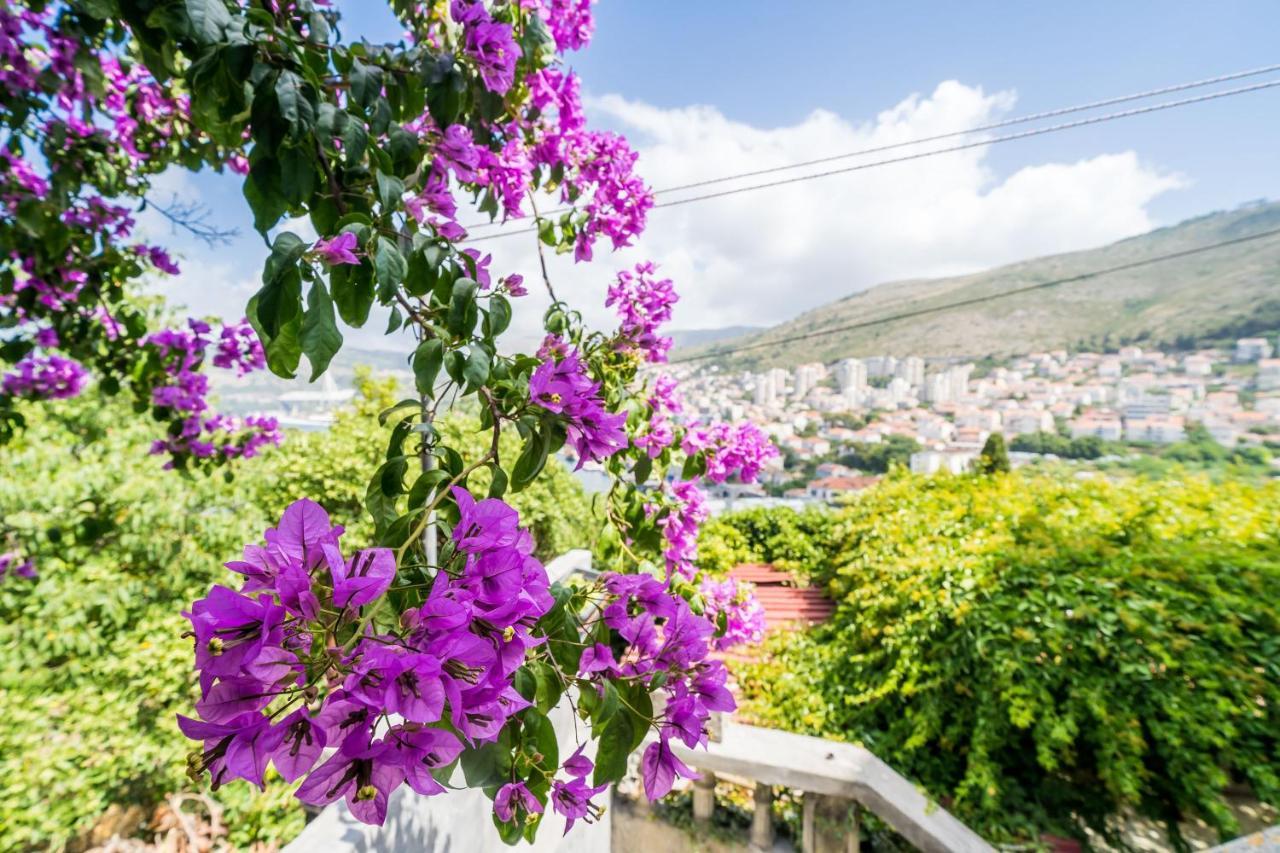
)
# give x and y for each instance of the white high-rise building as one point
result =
(911, 369)
(881, 365)
(851, 374)
(937, 388)
(766, 389)
(958, 377)
(807, 376)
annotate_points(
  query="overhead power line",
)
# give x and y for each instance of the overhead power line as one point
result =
(1010, 137)
(977, 300)
(1010, 122)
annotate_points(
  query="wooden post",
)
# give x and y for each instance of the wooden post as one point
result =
(704, 797)
(762, 818)
(829, 825)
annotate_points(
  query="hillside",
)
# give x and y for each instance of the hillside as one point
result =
(1213, 296)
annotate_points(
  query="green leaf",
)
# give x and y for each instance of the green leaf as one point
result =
(389, 266)
(266, 203)
(320, 338)
(402, 406)
(485, 765)
(462, 308)
(427, 359)
(614, 749)
(297, 173)
(390, 188)
(385, 487)
(642, 470)
(532, 459)
(499, 314)
(285, 252)
(354, 141)
(207, 20)
(294, 105)
(476, 370)
(366, 83)
(352, 287)
(498, 486)
(279, 301)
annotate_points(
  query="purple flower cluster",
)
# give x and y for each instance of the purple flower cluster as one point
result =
(57, 292)
(685, 510)
(741, 610)
(664, 402)
(599, 166)
(561, 384)
(572, 799)
(45, 377)
(665, 638)
(489, 44)
(452, 660)
(239, 349)
(570, 21)
(643, 303)
(203, 435)
(741, 449)
(129, 112)
(12, 564)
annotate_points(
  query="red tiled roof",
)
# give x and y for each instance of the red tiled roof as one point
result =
(784, 603)
(844, 483)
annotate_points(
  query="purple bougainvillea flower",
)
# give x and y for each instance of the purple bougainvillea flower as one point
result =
(360, 776)
(363, 578)
(578, 765)
(231, 698)
(303, 529)
(236, 749)
(513, 796)
(416, 691)
(343, 719)
(419, 750)
(300, 747)
(337, 250)
(572, 800)
(597, 658)
(231, 630)
(484, 526)
(659, 768)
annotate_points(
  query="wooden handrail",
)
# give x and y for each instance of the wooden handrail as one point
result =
(835, 769)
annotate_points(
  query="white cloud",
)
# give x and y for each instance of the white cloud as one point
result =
(764, 256)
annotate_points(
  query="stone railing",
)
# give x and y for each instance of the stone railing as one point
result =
(836, 780)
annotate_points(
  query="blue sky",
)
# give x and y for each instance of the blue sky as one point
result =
(792, 81)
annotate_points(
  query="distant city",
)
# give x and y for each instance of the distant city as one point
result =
(841, 423)
(943, 411)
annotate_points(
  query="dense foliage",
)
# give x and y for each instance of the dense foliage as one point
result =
(880, 456)
(1084, 447)
(92, 664)
(797, 541)
(437, 639)
(1042, 652)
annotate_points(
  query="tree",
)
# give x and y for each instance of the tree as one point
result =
(1000, 639)
(993, 459)
(446, 619)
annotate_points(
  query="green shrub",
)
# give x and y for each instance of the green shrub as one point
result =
(794, 541)
(93, 667)
(1041, 652)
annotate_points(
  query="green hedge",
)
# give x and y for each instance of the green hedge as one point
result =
(1042, 652)
(93, 667)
